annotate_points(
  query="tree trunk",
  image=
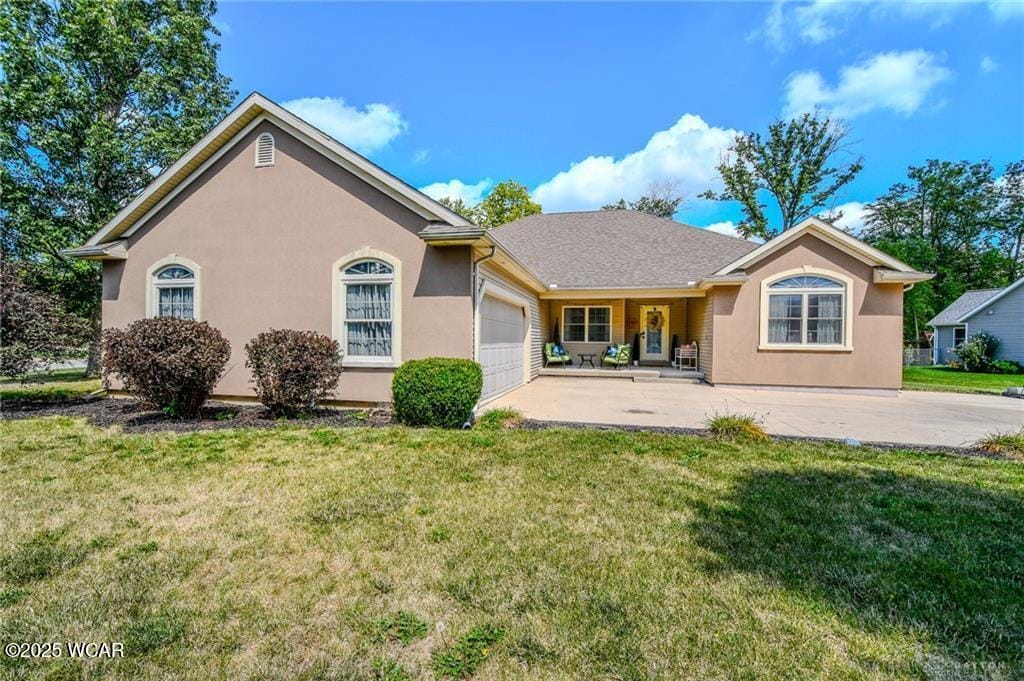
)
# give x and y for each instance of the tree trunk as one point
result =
(92, 364)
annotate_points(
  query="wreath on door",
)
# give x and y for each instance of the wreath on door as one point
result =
(655, 320)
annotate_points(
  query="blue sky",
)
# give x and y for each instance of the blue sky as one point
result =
(584, 103)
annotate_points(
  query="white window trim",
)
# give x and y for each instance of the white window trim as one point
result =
(338, 283)
(273, 150)
(804, 346)
(586, 323)
(152, 300)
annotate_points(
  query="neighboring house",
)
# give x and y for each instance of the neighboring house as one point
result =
(999, 311)
(269, 223)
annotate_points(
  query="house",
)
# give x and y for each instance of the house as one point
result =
(268, 222)
(999, 311)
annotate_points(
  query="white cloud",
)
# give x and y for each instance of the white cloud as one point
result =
(988, 64)
(728, 228)
(817, 21)
(896, 81)
(687, 154)
(471, 194)
(855, 216)
(367, 130)
(420, 156)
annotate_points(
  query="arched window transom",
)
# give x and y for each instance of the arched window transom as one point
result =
(368, 300)
(806, 281)
(806, 310)
(175, 292)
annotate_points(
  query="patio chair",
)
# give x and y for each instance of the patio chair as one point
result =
(616, 355)
(686, 354)
(555, 353)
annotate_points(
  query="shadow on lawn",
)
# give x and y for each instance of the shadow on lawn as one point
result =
(885, 550)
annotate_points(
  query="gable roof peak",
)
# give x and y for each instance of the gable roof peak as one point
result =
(252, 110)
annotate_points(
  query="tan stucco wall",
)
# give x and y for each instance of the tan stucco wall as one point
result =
(266, 239)
(874, 362)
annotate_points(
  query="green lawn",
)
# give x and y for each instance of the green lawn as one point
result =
(62, 384)
(953, 380)
(396, 553)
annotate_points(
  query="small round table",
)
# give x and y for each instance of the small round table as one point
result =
(587, 357)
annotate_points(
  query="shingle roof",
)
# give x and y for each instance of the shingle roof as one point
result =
(962, 305)
(617, 249)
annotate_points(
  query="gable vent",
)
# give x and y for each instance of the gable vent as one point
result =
(265, 150)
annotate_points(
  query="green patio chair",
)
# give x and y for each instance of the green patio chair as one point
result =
(619, 359)
(552, 356)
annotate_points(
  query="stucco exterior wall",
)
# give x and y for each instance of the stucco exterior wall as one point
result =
(266, 240)
(875, 361)
(1004, 319)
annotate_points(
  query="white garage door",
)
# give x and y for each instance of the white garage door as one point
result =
(502, 334)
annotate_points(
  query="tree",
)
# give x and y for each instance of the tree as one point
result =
(459, 206)
(34, 326)
(96, 97)
(794, 164)
(944, 219)
(662, 199)
(508, 201)
(1010, 217)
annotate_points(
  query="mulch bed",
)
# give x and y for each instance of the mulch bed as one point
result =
(134, 417)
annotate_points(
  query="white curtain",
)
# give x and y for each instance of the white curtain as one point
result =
(370, 302)
(175, 301)
(825, 319)
(784, 313)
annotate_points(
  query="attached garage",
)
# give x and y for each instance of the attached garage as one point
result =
(502, 344)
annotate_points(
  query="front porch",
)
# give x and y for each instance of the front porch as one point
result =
(651, 324)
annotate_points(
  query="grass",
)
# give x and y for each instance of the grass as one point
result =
(395, 553)
(498, 419)
(953, 380)
(736, 427)
(62, 384)
(1006, 444)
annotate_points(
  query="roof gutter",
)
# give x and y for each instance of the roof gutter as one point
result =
(113, 250)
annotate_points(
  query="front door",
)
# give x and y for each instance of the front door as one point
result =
(654, 340)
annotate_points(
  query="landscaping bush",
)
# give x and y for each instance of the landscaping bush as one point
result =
(736, 427)
(437, 391)
(170, 363)
(1005, 366)
(976, 352)
(35, 329)
(293, 370)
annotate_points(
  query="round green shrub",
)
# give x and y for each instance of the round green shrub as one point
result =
(437, 391)
(170, 363)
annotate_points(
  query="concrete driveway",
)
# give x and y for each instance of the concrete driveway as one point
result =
(921, 418)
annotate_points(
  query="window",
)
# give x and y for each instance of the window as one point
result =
(368, 288)
(805, 310)
(587, 324)
(264, 150)
(959, 335)
(174, 293)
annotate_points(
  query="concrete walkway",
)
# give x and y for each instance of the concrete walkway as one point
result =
(922, 418)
